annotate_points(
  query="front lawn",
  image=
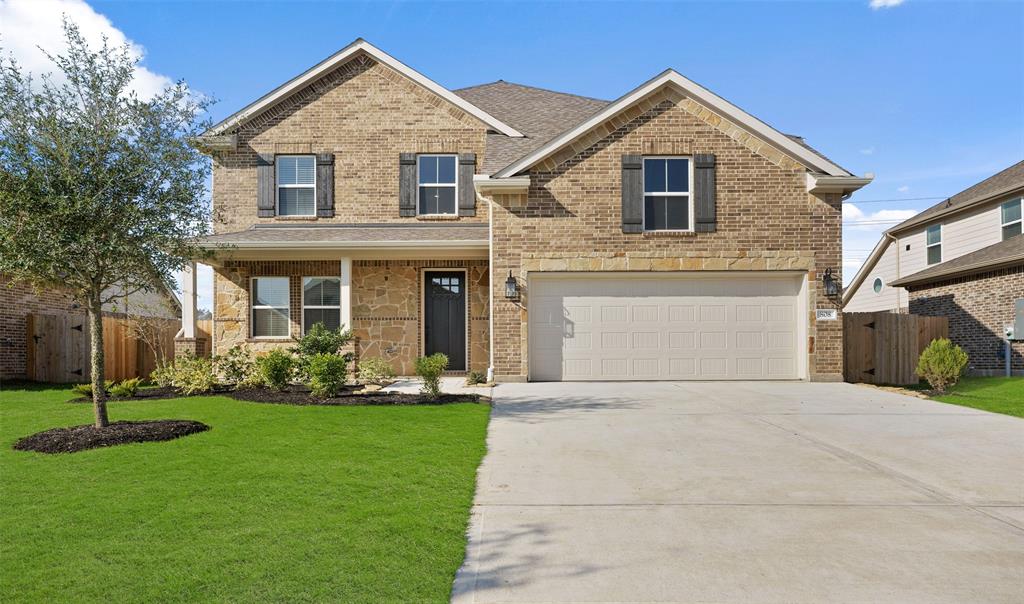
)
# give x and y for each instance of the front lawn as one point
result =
(996, 394)
(275, 503)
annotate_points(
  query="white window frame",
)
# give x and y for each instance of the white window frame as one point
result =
(253, 307)
(928, 246)
(1002, 225)
(688, 194)
(454, 185)
(319, 307)
(278, 186)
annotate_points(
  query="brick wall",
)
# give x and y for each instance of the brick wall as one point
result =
(978, 308)
(366, 114)
(386, 305)
(16, 302)
(766, 220)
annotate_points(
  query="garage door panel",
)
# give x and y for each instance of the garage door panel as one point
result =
(668, 327)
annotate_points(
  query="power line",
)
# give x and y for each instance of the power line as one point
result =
(894, 199)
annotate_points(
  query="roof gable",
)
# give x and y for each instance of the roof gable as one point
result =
(673, 80)
(354, 49)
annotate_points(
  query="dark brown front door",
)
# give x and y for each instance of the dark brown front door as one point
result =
(444, 316)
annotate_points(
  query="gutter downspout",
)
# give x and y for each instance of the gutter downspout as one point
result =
(490, 290)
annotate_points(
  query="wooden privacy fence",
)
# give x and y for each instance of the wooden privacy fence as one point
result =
(883, 347)
(58, 347)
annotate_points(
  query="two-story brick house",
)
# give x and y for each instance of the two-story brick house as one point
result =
(533, 234)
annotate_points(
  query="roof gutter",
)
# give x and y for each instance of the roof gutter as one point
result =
(512, 184)
(960, 271)
(320, 245)
(845, 185)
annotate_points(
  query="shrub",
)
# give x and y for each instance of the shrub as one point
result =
(476, 377)
(163, 375)
(193, 375)
(125, 389)
(327, 373)
(276, 368)
(85, 390)
(238, 367)
(375, 370)
(942, 364)
(318, 340)
(430, 369)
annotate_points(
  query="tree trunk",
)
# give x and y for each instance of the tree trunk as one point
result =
(99, 394)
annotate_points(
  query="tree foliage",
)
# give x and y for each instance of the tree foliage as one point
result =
(98, 187)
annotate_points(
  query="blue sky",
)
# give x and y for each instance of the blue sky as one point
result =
(929, 96)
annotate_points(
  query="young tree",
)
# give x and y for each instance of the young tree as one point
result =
(98, 187)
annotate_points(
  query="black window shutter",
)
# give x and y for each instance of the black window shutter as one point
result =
(704, 193)
(632, 194)
(266, 197)
(325, 185)
(467, 192)
(407, 184)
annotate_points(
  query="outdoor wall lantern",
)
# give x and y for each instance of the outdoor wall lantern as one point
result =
(830, 283)
(511, 287)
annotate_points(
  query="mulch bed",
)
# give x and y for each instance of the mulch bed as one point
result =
(81, 438)
(153, 394)
(297, 395)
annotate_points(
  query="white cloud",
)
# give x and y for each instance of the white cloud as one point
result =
(27, 25)
(903, 189)
(867, 151)
(856, 218)
(877, 4)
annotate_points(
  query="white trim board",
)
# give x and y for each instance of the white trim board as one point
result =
(321, 68)
(702, 95)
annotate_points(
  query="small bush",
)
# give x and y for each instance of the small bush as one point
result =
(942, 364)
(430, 369)
(476, 377)
(375, 370)
(85, 390)
(276, 368)
(238, 367)
(327, 373)
(163, 375)
(193, 375)
(126, 388)
(318, 340)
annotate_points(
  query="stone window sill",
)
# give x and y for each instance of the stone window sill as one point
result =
(668, 234)
(269, 340)
(295, 218)
(430, 217)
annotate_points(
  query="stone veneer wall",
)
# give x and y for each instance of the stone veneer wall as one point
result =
(16, 302)
(978, 307)
(366, 114)
(571, 220)
(386, 305)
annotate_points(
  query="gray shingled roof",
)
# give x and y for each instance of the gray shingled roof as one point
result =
(1003, 182)
(998, 255)
(538, 113)
(271, 235)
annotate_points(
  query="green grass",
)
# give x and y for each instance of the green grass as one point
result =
(275, 503)
(996, 394)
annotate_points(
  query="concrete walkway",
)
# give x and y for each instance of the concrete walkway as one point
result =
(744, 492)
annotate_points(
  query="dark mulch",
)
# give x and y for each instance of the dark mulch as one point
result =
(297, 395)
(80, 438)
(153, 394)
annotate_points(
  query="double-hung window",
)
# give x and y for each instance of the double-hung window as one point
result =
(271, 310)
(296, 185)
(321, 302)
(667, 199)
(1011, 218)
(933, 243)
(437, 183)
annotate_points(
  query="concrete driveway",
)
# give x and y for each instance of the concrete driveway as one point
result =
(744, 492)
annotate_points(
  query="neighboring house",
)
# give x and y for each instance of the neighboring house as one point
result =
(529, 233)
(963, 259)
(18, 300)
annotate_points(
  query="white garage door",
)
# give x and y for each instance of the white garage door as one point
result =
(664, 326)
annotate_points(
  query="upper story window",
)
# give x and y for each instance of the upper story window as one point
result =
(436, 192)
(877, 285)
(270, 307)
(321, 302)
(933, 243)
(296, 185)
(667, 199)
(1011, 218)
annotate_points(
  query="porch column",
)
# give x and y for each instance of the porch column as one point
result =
(188, 302)
(345, 273)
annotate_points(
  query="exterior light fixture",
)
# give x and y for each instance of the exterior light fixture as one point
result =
(830, 283)
(511, 287)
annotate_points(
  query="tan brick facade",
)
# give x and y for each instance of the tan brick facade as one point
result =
(364, 113)
(978, 307)
(16, 302)
(387, 316)
(571, 220)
